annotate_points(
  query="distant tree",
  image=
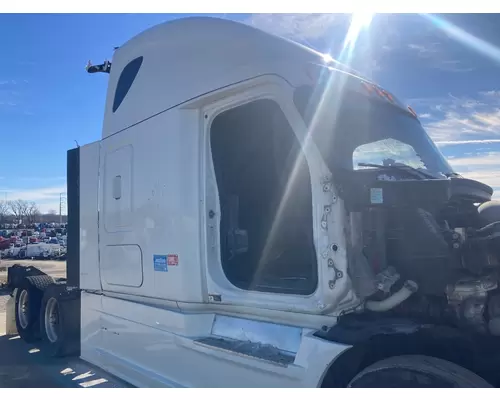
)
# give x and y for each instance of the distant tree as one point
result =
(4, 211)
(32, 212)
(18, 208)
(52, 216)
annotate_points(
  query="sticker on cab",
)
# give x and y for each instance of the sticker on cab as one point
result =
(376, 196)
(160, 263)
(172, 259)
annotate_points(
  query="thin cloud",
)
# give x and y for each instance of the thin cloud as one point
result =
(420, 38)
(491, 93)
(479, 141)
(47, 198)
(457, 125)
(301, 27)
(461, 120)
(325, 33)
(34, 194)
(425, 51)
(437, 55)
(10, 96)
(489, 177)
(479, 160)
(482, 166)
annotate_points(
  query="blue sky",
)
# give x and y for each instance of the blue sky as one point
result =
(447, 71)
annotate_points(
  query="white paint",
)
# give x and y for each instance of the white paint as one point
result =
(157, 143)
(189, 57)
(161, 194)
(154, 347)
(122, 265)
(117, 207)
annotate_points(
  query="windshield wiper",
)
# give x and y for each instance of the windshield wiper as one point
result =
(406, 168)
(453, 175)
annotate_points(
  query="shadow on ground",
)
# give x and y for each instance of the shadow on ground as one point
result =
(24, 365)
(19, 368)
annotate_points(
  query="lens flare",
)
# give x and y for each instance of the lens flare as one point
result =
(326, 112)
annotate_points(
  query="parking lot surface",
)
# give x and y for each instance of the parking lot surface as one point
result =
(24, 365)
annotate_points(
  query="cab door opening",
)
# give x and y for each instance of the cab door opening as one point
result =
(266, 228)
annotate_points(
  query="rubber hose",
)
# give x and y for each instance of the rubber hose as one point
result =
(396, 299)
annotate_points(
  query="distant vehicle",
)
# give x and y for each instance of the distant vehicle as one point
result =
(13, 252)
(4, 243)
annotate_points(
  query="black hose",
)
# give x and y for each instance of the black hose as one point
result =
(489, 229)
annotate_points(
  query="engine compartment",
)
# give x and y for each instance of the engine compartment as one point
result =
(430, 248)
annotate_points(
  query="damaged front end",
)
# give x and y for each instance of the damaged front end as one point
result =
(422, 242)
(432, 252)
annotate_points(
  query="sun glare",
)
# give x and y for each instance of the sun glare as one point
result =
(333, 89)
(359, 21)
(465, 38)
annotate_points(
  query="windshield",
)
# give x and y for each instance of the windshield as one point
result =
(370, 131)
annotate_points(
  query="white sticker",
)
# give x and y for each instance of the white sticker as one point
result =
(376, 195)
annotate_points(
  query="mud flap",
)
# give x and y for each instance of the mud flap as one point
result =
(10, 315)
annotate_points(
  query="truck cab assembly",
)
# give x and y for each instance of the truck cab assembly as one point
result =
(256, 215)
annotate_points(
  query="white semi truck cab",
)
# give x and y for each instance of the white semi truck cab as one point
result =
(255, 215)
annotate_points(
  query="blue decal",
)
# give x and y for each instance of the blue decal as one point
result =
(160, 263)
(376, 196)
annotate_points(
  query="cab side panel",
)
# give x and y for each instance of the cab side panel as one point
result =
(149, 230)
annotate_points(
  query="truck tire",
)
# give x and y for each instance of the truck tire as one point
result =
(41, 282)
(27, 307)
(60, 321)
(416, 371)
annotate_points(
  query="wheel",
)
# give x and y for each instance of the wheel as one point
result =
(60, 321)
(414, 371)
(26, 309)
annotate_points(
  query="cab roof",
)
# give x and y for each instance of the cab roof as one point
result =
(180, 60)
